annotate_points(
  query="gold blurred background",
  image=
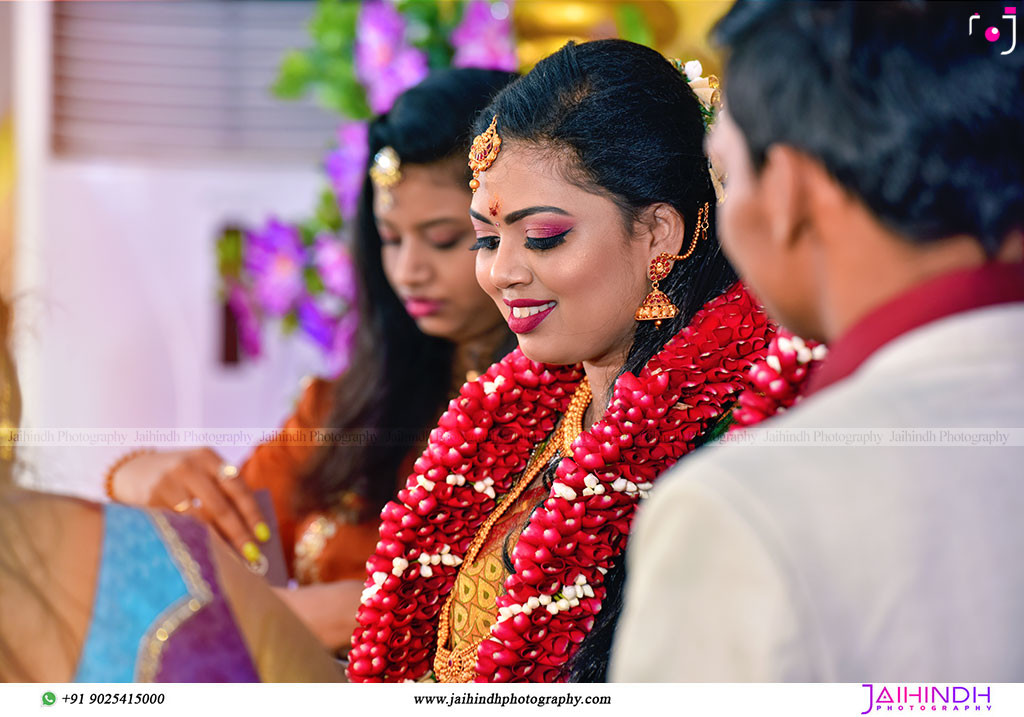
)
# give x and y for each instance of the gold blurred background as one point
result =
(679, 28)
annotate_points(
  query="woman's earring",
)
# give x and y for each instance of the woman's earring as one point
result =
(657, 307)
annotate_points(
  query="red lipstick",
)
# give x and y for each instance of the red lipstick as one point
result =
(529, 318)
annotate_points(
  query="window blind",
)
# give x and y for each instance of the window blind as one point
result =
(171, 78)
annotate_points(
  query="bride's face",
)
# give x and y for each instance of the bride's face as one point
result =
(557, 260)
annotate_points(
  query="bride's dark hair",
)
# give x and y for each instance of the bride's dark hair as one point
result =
(623, 123)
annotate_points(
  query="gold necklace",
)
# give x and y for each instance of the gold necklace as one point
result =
(459, 665)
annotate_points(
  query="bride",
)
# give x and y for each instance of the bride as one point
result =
(594, 212)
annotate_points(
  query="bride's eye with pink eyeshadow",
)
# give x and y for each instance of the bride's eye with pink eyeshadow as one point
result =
(485, 242)
(485, 237)
(542, 238)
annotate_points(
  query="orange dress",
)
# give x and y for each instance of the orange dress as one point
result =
(319, 547)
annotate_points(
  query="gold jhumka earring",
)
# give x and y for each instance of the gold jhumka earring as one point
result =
(657, 307)
(483, 152)
(385, 173)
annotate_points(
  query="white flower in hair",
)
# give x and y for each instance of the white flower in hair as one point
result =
(706, 90)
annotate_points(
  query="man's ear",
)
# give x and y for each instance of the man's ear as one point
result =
(784, 176)
(665, 229)
(1012, 249)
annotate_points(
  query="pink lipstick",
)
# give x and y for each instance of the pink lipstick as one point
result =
(418, 307)
(527, 314)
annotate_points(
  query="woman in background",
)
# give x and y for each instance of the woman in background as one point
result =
(425, 327)
(111, 593)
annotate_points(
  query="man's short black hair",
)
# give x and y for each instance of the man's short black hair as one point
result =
(921, 121)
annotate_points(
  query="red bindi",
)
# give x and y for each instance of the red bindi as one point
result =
(495, 207)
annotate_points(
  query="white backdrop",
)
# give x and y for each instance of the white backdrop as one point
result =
(5, 57)
(127, 321)
(119, 325)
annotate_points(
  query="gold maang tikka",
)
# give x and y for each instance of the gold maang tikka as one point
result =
(385, 173)
(483, 152)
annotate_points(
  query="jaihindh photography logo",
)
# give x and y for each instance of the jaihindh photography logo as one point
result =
(927, 698)
(993, 33)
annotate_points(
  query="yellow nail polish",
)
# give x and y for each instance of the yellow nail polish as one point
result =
(262, 531)
(251, 552)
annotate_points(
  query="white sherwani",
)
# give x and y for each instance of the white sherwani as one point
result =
(852, 564)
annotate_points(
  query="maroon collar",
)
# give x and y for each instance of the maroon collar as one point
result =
(988, 285)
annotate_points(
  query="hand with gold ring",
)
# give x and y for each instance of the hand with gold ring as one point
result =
(201, 484)
(185, 505)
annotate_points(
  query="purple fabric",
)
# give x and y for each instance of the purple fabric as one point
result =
(208, 646)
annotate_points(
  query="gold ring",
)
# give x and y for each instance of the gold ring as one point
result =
(182, 506)
(228, 471)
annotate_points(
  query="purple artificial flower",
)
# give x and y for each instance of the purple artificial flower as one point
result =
(484, 37)
(248, 322)
(340, 355)
(317, 325)
(274, 256)
(346, 166)
(385, 63)
(334, 264)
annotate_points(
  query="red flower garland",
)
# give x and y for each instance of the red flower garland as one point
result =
(779, 379)
(484, 442)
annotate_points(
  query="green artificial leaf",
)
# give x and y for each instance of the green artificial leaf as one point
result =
(633, 25)
(327, 214)
(327, 63)
(333, 25)
(229, 253)
(439, 56)
(430, 24)
(719, 429)
(314, 284)
(306, 233)
(708, 115)
(450, 14)
(338, 66)
(340, 91)
(289, 323)
(347, 99)
(425, 12)
(294, 75)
